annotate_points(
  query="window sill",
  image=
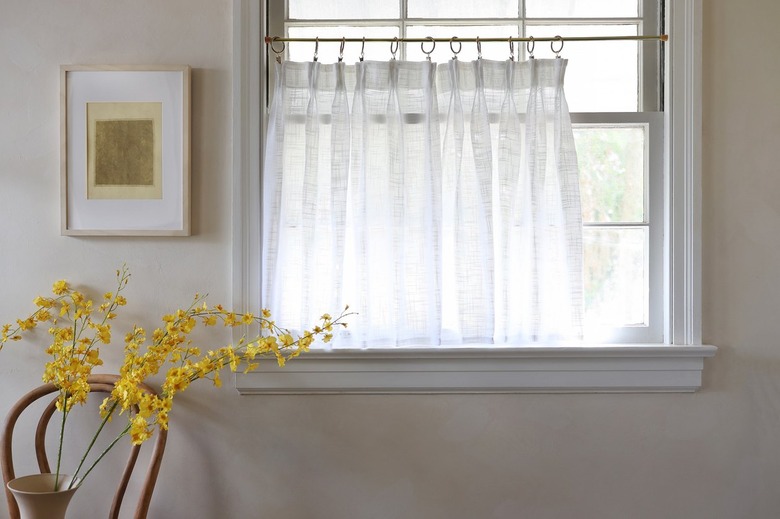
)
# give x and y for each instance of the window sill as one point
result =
(648, 368)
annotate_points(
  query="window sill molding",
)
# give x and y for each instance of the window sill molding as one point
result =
(649, 368)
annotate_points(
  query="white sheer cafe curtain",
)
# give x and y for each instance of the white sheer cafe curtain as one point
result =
(441, 202)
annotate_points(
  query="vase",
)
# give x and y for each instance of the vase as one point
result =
(37, 498)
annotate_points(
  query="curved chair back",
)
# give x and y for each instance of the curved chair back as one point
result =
(97, 383)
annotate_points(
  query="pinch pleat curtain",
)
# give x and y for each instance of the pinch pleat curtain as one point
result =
(441, 202)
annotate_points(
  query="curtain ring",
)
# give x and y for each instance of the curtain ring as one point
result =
(479, 48)
(341, 49)
(393, 50)
(529, 47)
(460, 46)
(552, 46)
(362, 48)
(316, 47)
(422, 47)
(511, 49)
(277, 52)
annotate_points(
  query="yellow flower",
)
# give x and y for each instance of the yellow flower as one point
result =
(210, 320)
(175, 381)
(105, 407)
(139, 430)
(93, 358)
(104, 333)
(43, 302)
(234, 359)
(77, 297)
(305, 342)
(162, 419)
(27, 324)
(60, 287)
(43, 316)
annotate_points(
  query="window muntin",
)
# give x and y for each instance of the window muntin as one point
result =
(461, 9)
(613, 181)
(602, 76)
(589, 9)
(339, 9)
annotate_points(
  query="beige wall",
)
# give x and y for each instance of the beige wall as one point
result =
(714, 454)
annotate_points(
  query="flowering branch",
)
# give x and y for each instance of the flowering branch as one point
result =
(75, 352)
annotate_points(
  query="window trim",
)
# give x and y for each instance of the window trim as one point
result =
(673, 367)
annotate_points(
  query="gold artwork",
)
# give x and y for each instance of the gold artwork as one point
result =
(124, 151)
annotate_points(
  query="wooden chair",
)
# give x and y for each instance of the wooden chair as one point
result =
(97, 383)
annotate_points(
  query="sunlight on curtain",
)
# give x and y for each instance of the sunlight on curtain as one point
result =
(440, 202)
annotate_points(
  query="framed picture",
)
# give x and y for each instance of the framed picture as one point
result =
(125, 150)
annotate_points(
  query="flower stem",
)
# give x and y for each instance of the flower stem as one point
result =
(62, 436)
(92, 443)
(105, 451)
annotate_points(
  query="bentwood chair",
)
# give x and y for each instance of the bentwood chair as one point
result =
(97, 383)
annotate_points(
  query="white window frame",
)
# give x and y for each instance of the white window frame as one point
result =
(645, 114)
(675, 366)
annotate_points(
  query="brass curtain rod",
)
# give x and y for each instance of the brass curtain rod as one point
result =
(661, 37)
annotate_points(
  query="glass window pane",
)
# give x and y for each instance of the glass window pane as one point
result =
(612, 173)
(329, 52)
(443, 53)
(616, 276)
(344, 9)
(581, 9)
(462, 9)
(601, 76)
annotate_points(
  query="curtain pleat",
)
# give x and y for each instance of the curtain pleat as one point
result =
(440, 202)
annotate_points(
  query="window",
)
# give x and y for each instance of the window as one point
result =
(648, 232)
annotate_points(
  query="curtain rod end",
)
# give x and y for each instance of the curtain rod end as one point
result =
(664, 37)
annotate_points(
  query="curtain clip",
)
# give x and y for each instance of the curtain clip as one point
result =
(552, 46)
(428, 52)
(452, 48)
(277, 52)
(341, 49)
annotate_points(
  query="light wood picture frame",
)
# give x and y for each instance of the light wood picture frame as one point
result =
(125, 150)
